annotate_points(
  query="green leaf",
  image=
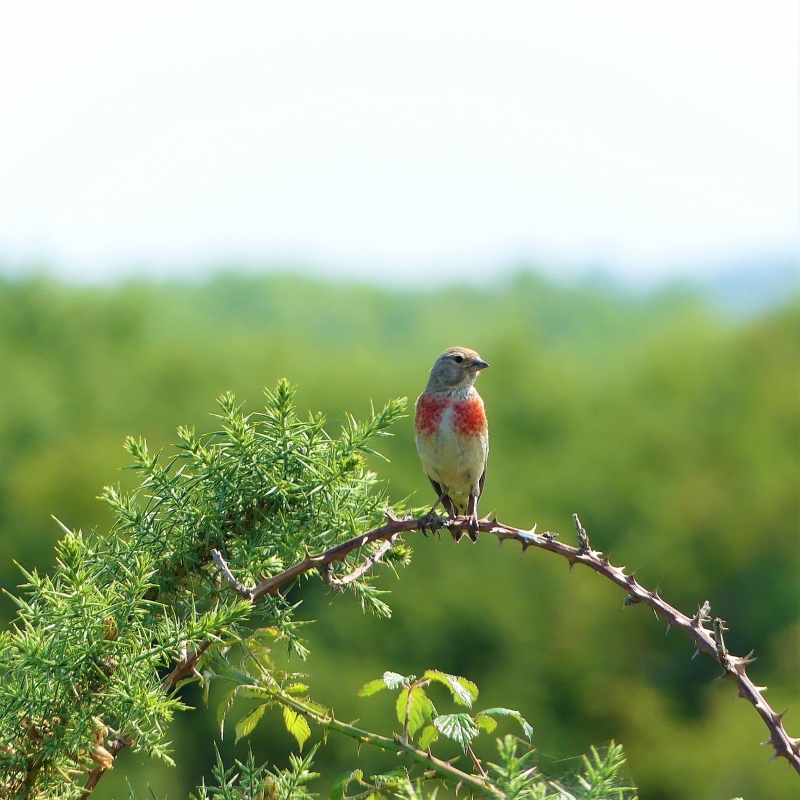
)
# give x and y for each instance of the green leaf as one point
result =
(371, 687)
(246, 725)
(487, 723)
(420, 709)
(509, 712)
(460, 728)
(296, 725)
(428, 736)
(464, 692)
(223, 709)
(394, 680)
(339, 787)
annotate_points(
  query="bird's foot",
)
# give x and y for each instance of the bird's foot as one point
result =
(431, 522)
(473, 526)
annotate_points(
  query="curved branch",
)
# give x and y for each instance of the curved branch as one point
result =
(705, 640)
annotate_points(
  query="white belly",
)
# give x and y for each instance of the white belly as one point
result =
(456, 462)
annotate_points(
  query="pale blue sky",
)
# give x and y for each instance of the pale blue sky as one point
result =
(408, 141)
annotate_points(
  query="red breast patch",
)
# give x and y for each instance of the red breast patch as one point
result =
(429, 412)
(469, 418)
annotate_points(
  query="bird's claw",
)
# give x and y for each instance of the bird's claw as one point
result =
(473, 526)
(431, 522)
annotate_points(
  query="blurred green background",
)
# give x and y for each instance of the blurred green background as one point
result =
(671, 429)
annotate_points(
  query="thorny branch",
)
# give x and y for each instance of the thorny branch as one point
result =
(706, 641)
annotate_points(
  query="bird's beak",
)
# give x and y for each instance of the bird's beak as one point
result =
(478, 364)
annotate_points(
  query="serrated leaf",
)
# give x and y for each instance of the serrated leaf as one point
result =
(487, 723)
(246, 725)
(420, 709)
(460, 728)
(339, 786)
(296, 725)
(464, 692)
(223, 709)
(372, 687)
(394, 680)
(509, 712)
(428, 736)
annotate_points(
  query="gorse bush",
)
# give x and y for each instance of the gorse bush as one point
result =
(99, 647)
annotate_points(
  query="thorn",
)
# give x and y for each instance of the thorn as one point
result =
(775, 754)
(669, 628)
(739, 695)
(696, 653)
(779, 714)
(525, 545)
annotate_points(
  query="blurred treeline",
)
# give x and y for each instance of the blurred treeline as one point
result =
(673, 433)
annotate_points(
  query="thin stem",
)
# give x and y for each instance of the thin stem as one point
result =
(396, 745)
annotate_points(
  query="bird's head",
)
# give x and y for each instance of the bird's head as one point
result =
(456, 368)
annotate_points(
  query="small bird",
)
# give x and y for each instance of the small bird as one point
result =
(452, 435)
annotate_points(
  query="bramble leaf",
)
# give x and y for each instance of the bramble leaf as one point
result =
(296, 725)
(394, 680)
(507, 712)
(246, 725)
(460, 728)
(419, 709)
(338, 789)
(487, 723)
(428, 736)
(464, 692)
(371, 687)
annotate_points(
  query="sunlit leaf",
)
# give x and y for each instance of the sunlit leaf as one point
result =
(487, 723)
(460, 728)
(509, 712)
(372, 687)
(393, 680)
(246, 725)
(464, 692)
(419, 708)
(296, 725)
(427, 737)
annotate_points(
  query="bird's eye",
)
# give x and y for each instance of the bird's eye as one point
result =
(458, 359)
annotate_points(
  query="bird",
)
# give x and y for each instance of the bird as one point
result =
(452, 435)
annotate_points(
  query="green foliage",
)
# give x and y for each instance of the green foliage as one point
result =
(514, 775)
(417, 714)
(90, 645)
(248, 781)
(674, 435)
